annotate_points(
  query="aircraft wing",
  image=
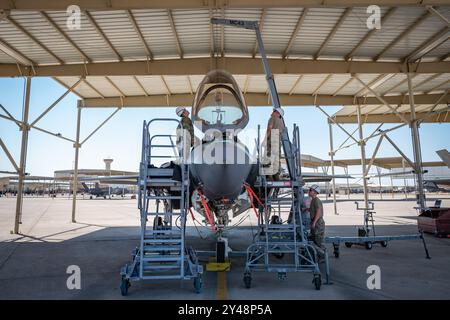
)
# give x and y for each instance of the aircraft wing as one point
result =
(445, 156)
(124, 180)
(439, 182)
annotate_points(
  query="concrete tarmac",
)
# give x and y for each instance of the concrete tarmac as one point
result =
(33, 264)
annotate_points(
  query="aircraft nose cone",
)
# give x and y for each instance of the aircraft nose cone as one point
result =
(223, 179)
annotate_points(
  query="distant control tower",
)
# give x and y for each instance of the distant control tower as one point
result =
(108, 164)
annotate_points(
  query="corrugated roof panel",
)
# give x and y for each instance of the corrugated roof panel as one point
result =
(240, 79)
(103, 86)
(193, 30)
(285, 82)
(4, 58)
(83, 89)
(195, 81)
(34, 23)
(153, 84)
(118, 28)
(399, 21)
(127, 85)
(421, 34)
(278, 26)
(237, 40)
(177, 84)
(334, 83)
(441, 51)
(257, 83)
(393, 81)
(309, 83)
(155, 27)
(354, 86)
(22, 43)
(317, 25)
(435, 82)
(351, 31)
(86, 38)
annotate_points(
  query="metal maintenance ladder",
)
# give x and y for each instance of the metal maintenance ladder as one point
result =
(275, 238)
(282, 244)
(163, 201)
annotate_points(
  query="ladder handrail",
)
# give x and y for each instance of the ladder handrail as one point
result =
(148, 143)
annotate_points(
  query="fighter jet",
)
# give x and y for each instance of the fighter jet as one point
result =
(103, 192)
(222, 168)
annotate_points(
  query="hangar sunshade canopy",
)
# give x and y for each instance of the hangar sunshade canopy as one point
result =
(145, 53)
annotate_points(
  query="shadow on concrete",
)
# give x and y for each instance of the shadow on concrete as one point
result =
(35, 268)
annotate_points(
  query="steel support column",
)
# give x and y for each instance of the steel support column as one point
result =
(379, 182)
(23, 156)
(421, 201)
(330, 126)
(362, 145)
(75, 171)
(348, 183)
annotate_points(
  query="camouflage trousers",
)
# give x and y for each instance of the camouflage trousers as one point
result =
(318, 234)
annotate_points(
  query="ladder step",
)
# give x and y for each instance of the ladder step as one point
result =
(162, 248)
(161, 266)
(162, 241)
(164, 198)
(280, 226)
(161, 258)
(154, 213)
(162, 232)
(162, 277)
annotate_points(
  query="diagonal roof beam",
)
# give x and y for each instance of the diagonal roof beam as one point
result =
(29, 35)
(139, 33)
(444, 57)
(247, 81)
(211, 35)
(299, 24)
(417, 85)
(438, 86)
(15, 54)
(222, 36)
(93, 88)
(378, 81)
(439, 15)
(369, 34)
(191, 89)
(102, 34)
(295, 84)
(166, 86)
(402, 35)
(435, 41)
(115, 87)
(333, 31)
(140, 85)
(72, 89)
(399, 84)
(322, 83)
(175, 34)
(343, 86)
(261, 26)
(64, 35)
(382, 100)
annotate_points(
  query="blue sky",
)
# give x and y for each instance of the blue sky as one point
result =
(120, 138)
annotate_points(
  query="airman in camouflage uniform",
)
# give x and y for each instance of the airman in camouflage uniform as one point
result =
(185, 124)
(316, 214)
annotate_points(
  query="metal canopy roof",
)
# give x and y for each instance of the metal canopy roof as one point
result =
(385, 162)
(138, 53)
